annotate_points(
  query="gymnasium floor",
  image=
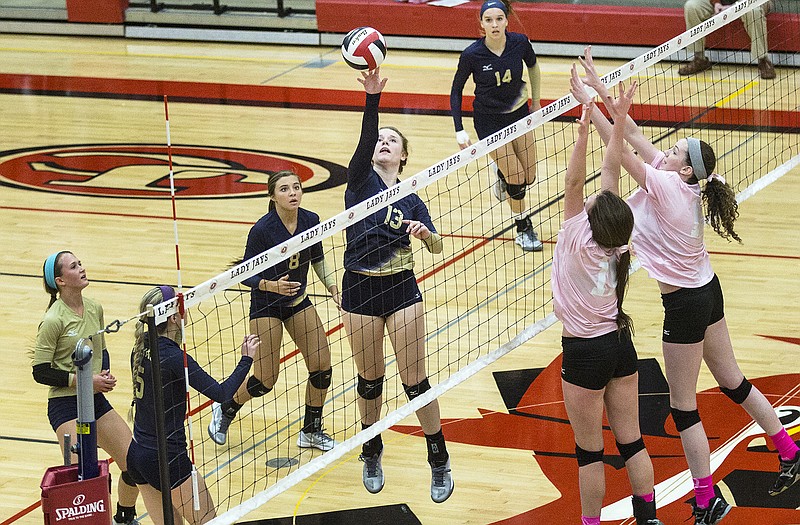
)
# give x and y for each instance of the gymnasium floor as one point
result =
(510, 449)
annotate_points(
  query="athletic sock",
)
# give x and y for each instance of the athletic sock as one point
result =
(703, 491)
(523, 222)
(590, 520)
(437, 449)
(373, 446)
(312, 422)
(231, 408)
(787, 448)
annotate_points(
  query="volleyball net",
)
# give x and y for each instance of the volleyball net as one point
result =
(483, 296)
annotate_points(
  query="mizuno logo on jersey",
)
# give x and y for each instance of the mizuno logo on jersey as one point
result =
(666, 332)
(487, 67)
(72, 333)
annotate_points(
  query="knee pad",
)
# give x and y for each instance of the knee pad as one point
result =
(628, 450)
(321, 379)
(370, 389)
(256, 388)
(516, 191)
(740, 393)
(587, 458)
(684, 419)
(415, 391)
(127, 479)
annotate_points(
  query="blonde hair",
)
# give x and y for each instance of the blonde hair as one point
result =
(152, 297)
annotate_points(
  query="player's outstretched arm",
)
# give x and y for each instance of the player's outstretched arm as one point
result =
(576, 169)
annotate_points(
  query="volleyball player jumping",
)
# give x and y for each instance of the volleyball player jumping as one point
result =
(599, 370)
(380, 292)
(674, 188)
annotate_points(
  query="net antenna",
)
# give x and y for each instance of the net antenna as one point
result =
(180, 308)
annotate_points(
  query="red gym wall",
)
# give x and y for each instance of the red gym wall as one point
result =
(542, 22)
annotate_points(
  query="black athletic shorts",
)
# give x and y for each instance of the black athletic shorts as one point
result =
(379, 296)
(63, 409)
(593, 362)
(488, 123)
(143, 466)
(689, 311)
(260, 309)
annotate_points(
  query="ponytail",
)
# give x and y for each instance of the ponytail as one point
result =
(153, 297)
(721, 208)
(624, 321)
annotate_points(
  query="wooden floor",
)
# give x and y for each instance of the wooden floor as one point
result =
(127, 244)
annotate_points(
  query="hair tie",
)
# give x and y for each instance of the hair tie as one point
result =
(696, 158)
(716, 176)
(494, 4)
(622, 249)
(50, 270)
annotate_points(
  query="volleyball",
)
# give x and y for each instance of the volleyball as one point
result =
(363, 48)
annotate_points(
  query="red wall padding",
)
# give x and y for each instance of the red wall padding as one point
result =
(543, 22)
(97, 11)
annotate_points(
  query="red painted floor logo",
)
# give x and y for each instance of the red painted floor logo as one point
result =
(142, 170)
(744, 464)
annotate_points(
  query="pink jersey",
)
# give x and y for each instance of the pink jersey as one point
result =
(668, 229)
(584, 280)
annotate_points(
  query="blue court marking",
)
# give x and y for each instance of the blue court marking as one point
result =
(314, 63)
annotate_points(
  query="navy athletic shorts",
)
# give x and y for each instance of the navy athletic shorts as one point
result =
(63, 409)
(379, 296)
(488, 123)
(260, 309)
(143, 466)
(593, 362)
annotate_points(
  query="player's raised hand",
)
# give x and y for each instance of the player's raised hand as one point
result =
(578, 88)
(372, 81)
(618, 107)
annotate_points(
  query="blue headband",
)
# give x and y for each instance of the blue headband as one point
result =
(50, 270)
(696, 158)
(167, 292)
(493, 4)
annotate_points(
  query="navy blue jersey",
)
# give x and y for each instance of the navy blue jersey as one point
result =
(174, 388)
(499, 80)
(269, 232)
(379, 244)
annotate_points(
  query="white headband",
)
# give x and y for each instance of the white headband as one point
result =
(696, 158)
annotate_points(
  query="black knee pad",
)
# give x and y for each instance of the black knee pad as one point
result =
(740, 393)
(628, 450)
(127, 479)
(256, 388)
(370, 389)
(683, 419)
(415, 391)
(587, 458)
(321, 379)
(516, 191)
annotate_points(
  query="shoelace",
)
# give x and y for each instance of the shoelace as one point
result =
(224, 423)
(371, 463)
(438, 475)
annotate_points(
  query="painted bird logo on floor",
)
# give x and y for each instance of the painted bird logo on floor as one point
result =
(536, 420)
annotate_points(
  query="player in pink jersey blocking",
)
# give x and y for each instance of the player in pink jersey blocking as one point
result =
(599, 369)
(668, 240)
